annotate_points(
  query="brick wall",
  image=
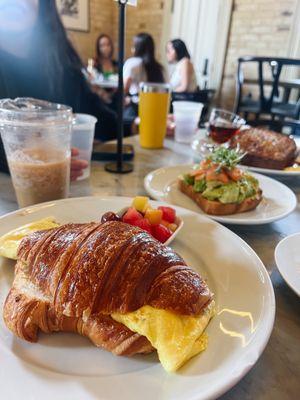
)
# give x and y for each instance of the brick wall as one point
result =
(260, 28)
(100, 22)
(147, 16)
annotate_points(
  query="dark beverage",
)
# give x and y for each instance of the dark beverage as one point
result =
(222, 132)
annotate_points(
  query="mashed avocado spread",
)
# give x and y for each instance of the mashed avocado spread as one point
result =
(232, 192)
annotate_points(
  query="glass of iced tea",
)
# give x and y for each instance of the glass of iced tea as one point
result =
(223, 125)
(37, 140)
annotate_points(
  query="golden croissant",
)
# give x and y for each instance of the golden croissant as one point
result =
(114, 284)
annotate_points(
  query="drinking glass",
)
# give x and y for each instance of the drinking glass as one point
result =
(36, 135)
(82, 139)
(154, 102)
(223, 125)
(187, 115)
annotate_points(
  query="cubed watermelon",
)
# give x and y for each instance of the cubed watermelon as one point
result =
(131, 216)
(169, 214)
(143, 224)
(161, 233)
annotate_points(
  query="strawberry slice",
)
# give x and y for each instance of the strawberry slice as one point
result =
(161, 233)
(169, 214)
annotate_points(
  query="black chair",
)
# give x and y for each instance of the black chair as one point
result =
(204, 96)
(270, 103)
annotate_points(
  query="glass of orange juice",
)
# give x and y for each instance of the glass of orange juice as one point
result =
(154, 103)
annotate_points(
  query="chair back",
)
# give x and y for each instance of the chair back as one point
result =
(275, 65)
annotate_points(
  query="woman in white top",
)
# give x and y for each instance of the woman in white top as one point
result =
(142, 67)
(183, 78)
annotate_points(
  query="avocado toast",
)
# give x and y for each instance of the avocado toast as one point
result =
(219, 187)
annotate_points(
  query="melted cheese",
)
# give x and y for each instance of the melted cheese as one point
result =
(177, 338)
(9, 243)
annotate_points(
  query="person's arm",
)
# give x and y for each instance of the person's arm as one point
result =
(81, 98)
(185, 76)
(127, 84)
(127, 75)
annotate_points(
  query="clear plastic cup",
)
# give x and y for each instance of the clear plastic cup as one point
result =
(186, 115)
(36, 135)
(82, 139)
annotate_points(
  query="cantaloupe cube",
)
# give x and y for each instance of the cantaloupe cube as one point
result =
(154, 216)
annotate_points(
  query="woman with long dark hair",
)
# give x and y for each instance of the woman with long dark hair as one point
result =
(143, 65)
(104, 59)
(183, 78)
(38, 60)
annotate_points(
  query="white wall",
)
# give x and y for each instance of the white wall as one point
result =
(203, 25)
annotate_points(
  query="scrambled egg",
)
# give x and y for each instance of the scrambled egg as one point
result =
(9, 243)
(177, 338)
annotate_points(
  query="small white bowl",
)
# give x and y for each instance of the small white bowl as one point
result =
(178, 221)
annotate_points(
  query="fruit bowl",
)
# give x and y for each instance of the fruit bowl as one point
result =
(178, 221)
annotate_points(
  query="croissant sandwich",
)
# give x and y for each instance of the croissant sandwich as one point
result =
(113, 283)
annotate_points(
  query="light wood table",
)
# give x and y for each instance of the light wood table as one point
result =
(276, 376)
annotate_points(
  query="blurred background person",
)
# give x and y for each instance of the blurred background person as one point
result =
(104, 58)
(142, 67)
(183, 78)
(106, 65)
(37, 60)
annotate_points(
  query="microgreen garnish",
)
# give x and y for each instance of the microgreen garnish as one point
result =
(226, 158)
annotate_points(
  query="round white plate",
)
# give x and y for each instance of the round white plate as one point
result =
(287, 257)
(275, 172)
(278, 200)
(67, 366)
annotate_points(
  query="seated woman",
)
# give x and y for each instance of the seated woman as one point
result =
(104, 61)
(183, 78)
(105, 64)
(37, 60)
(142, 67)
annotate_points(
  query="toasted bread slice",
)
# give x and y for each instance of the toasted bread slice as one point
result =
(216, 207)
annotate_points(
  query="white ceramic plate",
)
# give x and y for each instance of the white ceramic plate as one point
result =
(275, 172)
(67, 366)
(287, 257)
(278, 200)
